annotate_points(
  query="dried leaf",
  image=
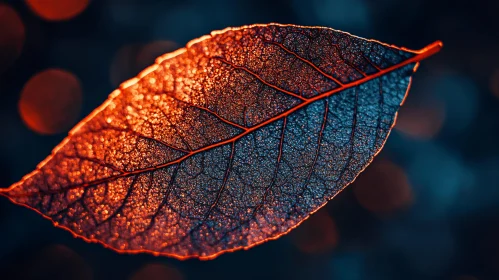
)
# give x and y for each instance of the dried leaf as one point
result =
(222, 145)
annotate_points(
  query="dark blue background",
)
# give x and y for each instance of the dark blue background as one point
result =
(451, 228)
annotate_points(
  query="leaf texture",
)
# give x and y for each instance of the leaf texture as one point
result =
(229, 142)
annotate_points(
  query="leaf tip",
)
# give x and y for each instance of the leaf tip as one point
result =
(431, 49)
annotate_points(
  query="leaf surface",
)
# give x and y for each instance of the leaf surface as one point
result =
(226, 143)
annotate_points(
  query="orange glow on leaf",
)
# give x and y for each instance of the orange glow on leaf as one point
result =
(57, 10)
(51, 101)
(227, 143)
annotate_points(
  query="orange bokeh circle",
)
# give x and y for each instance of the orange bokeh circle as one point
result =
(56, 261)
(422, 122)
(55, 10)
(383, 188)
(157, 271)
(12, 36)
(149, 52)
(494, 83)
(317, 235)
(130, 59)
(51, 101)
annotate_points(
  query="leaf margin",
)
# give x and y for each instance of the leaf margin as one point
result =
(419, 55)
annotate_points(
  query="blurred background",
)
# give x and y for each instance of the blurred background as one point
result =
(427, 208)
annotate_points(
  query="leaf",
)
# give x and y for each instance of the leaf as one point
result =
(222, 145)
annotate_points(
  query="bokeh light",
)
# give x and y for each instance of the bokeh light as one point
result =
(459, 94)
(494, 83)
(157, 271)
(57, 262)
(445, 139)
(439, 177)
(475, 200)
(149, 52)
(316, 235)
(427, 247)
(11, 38)
(130, 59)
(421, 122)
(349, 265)
(383, 188)
(123, 66)
(56, 10)
(51, 101)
